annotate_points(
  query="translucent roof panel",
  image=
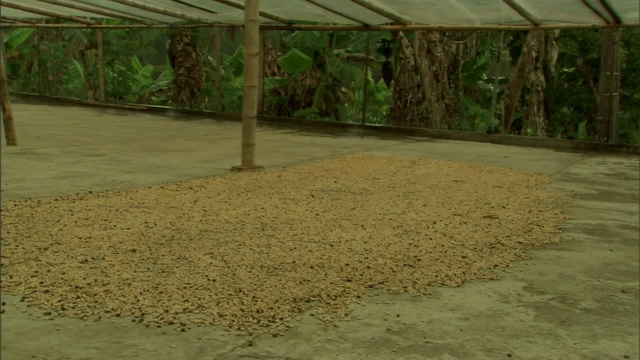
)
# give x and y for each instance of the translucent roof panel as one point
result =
(458, 12)
(356, 13)
(39, 5)
(629, 11)
(347, 12)
(150, 15)
(562, 12)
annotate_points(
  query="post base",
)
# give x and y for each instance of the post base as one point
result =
(243, 168)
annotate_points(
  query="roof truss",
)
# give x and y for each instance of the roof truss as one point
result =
(363, 15)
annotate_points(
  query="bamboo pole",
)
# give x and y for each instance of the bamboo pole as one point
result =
(609, 87)
(15, 19)
(494, 95)
(261, 75)
(522, 11)
(416, 27)
(321, 27)
(98, 11)
(596, 11)
(381, 11)
(251, 82)
(5, 102)
(612, 12)
(127, 26)
(185, 3)
(142, 18)
(43, 12)
(326, 8)
(101, 73)
(218, 73)
(159, 10)
(365, 90)
(38, 39)
(614, 128)
(264, 14)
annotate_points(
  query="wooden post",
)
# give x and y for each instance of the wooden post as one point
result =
(494, 95)
(38, 41)
(261, 75)
(251, 85)
(218, 77)
(101, 72)
(609, 87)
(614, 100)
(365, 90)
(7, 114)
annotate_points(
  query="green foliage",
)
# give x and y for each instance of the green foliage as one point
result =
(295, 62)
(276, 83)
(324, 77)
(346, 73)
(16, 38)
(18, 44)
(629, 119)
(379, 102)
(474, 117)
(311, 113)
(323, 74)
(234, 64)
(477, 87)
(74, 80)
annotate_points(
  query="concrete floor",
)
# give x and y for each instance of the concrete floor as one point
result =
(578, 299)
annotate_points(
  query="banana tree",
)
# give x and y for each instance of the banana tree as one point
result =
(20, 52)
(318, 75)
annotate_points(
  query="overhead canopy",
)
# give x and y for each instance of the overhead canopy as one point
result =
(363, 13)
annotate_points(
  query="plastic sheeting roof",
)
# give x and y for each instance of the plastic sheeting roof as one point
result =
(343, 12)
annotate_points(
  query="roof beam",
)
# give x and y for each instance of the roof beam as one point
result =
(381, 11)
(117, 26)
(264, 14)
(18, 20)
(337, 27)
(616, 18)
(47, 13)
(143, 17)
(107, 13)
(326, 8)
(596, 11)
(416, 27)
(181, 2)
(522, 11)
(165, 12)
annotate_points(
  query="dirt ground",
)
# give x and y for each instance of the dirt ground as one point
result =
(576, 299)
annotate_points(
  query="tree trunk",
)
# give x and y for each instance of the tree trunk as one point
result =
(188, 70)
(423, 95)
(529, 72)
(534, 122)
(609, 87)
(5, 102)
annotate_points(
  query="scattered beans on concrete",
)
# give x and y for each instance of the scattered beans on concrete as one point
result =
(251, 250)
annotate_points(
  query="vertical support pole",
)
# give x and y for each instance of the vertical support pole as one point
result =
(5, 102)
(614, 100)
(494, 95)
(251, 85)
(38, 41)
(261, 75)
(218, 73)
(609, 87)
(365, 89)
(101, 72)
